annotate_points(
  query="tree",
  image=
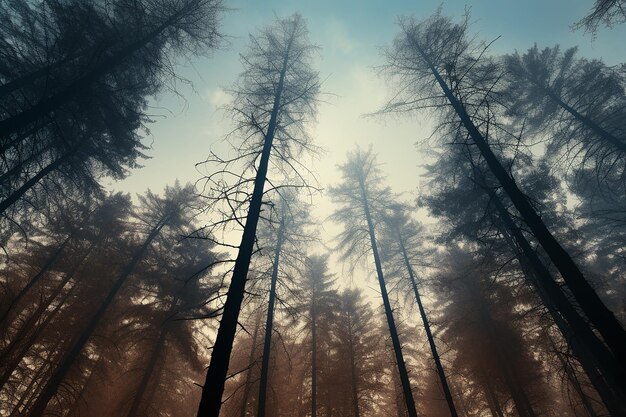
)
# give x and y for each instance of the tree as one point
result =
(274, 99)
(157, 214)
(434, 62)
(361, 203)
(608, 12)
(73, 118)
(402, 245)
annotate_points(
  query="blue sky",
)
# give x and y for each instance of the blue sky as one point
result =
(350, 33)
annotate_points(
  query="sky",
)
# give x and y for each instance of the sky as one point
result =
(350, 33)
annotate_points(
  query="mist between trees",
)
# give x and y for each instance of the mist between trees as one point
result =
(221, 298)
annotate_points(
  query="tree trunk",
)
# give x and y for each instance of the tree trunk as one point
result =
(269, 324)
(397, 348)
(52, 385)
(353, 371)
(15, 196)
(213, 388)
(313, 358)
(492, 400)
(604, 320)
(429, 335)
(147, 375)
(251, 359)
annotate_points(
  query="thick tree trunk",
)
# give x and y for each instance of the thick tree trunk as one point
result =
(269, 324)
(431, 340)
(52, 385)
(213, 388)
(397, 347)
(604, 320)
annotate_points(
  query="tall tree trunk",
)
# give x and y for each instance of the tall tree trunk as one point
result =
(431, 340)
(48, 105)
(251, 359)
(397, 347)
(313, 358)
(269, 324)
(604, 320)
(492, 400)
(147, 375)
(353, 371)
(213, 388)
(52, 385)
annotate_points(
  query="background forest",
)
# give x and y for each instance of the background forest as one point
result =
(236, 209)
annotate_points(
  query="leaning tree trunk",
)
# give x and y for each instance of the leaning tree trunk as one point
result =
(213, 388)
(603, 318)
(431, 340)
(269, 324)
(50, 389)
(397, 348)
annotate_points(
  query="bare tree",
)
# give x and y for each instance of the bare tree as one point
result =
(273, 101)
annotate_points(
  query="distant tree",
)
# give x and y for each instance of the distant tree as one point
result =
(402, 243)
(361, 203)
(273, 101)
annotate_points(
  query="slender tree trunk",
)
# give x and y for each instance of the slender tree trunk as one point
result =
(29, 392)
(353, 370)
(397, 347)
(313, 358)
(251, 359)
(431, 340)
(147, 375)
(604, 320)
(59, 374)
(269, 324)
(48, 105)
(213, 388)
(492, 400)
